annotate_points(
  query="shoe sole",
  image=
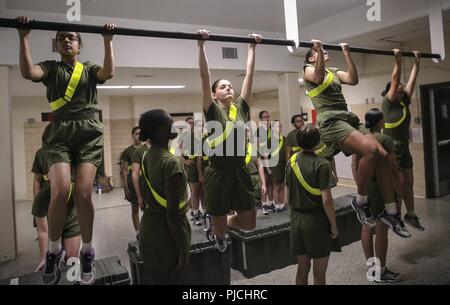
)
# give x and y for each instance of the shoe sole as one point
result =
(92, 280)
(414, 227)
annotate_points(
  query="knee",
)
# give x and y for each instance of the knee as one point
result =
(82, 195)
(60, 193)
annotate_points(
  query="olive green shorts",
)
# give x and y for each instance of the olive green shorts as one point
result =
(403, 155)
(228, 189)
(78, 141)
(158, 249)
(336, 125)
(133, 199)
(278, 172)
(256, 180)
(40, 209)
(310, 235)
(191, 173)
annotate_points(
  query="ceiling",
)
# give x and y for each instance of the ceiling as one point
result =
(258, 15)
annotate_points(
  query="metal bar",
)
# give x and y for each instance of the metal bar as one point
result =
(308, 44)
(74, 27)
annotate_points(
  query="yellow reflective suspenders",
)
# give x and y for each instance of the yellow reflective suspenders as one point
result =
(402, 119)
(278, 148)
(319, 89)
(228, 128)
(298, 174)
(158, 198)
(71, 87)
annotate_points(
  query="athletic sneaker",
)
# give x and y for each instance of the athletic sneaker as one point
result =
(281, 210)
(197, 219)
(394, 222)
(53, 264)
(268, 209)
(221, 243)
(87, 268)
(363, 214)
(191, 215)
(388, 277)
(414, 222)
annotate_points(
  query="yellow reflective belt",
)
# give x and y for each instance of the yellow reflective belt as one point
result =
(269, 136)
(320, 149)
(45, 177)
(319, 89)
(205, 158)
(402, 119)
(228, 128)
(296, 149)
(248, 156)
(172, 151)
(70, 192)
(278, 148)
(158, 198)
(71, 87)
(298, 174)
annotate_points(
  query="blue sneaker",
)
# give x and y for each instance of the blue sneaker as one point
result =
(221, 243)
(53, 264)
(87, 268)
(394, 222)
(281, 210)
(363, 214)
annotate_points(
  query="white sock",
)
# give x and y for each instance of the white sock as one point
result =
(137, 232)
(271, 202)
(86, 247)
(54, 246)
(382, 270)
(361, 200)
(391, 208)
(195, 212)
(265, 203)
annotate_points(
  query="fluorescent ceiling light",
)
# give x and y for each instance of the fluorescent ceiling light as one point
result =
(158, 87)
(113, 87)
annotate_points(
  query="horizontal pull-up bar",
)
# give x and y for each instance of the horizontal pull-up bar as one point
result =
(74, 27)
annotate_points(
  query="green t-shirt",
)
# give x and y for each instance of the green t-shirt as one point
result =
(331, 98)
(393, 112)
(252, 166)
(136, 157)
(386, 141)
(40, 165)
(321, 150)
(127, 154)
(236, 158)
(56, 78)
(317, 173)
(282, 152)
(160, 165)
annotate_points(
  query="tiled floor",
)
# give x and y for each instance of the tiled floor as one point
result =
(422, 259)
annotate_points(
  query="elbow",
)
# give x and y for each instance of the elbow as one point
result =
(355, 81)
(27, 75)
(318, 79)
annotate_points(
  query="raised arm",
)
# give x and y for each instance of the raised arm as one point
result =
(108, 69)
(246, 92)
(207, 98)
(316, 74)
(395, 78)
(413, 77)
(27, 69)
(350, 77)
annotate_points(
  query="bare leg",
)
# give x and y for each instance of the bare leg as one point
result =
(381, 242)
(72, 246)
(59, 175)
(320, 266)
(245, 220)
(135, 216)
(42, 228)
(83, 199)
(304, 266)
(367, 241)
(407, 185)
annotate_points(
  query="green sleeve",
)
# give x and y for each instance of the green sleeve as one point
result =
(92, 72)
(136, 157)
(290, 140)
(325, 175)
(48, 69)
(124, 155)
(243, 108)
(37, 164)
(388, 144)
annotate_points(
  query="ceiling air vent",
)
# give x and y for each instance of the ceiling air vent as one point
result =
(230, 53)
